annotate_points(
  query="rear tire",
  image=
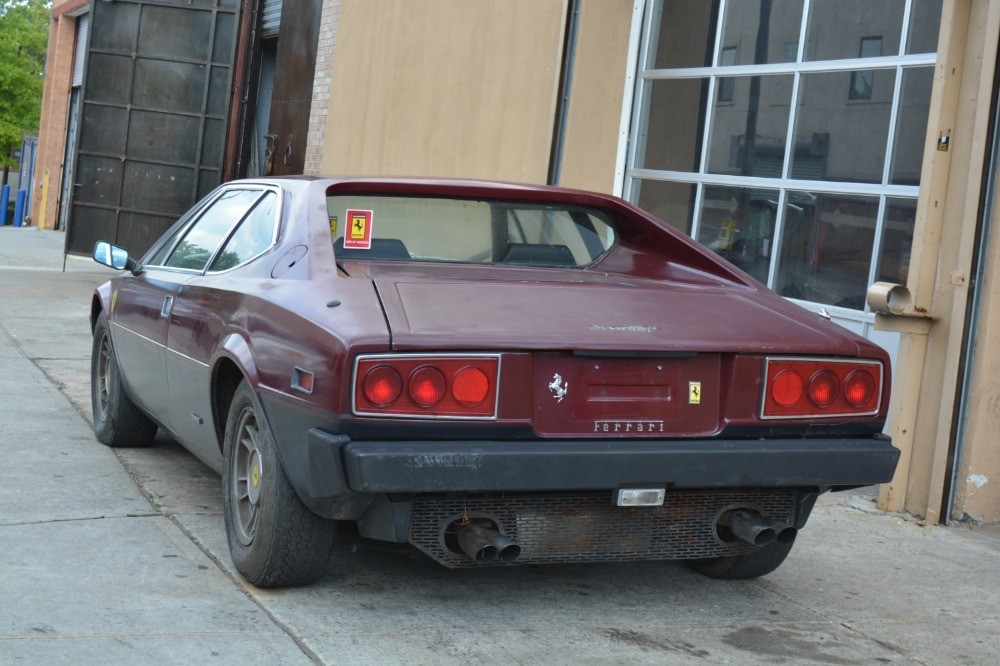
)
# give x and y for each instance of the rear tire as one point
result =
(761, 562)
(117, 421)
(274, 540)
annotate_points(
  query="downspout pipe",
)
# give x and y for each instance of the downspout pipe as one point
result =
(565, 84)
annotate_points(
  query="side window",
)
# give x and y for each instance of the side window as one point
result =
(211, 229)
(253, 236)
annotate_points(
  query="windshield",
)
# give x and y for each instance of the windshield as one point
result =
(465, 230)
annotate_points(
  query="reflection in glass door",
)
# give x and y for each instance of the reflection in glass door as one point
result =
(788, 137)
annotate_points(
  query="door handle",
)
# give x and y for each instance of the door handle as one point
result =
(168, 303)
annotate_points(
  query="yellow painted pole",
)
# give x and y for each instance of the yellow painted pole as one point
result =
(45, 199)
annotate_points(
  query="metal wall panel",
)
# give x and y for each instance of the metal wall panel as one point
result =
(293, 84)
(155, 102)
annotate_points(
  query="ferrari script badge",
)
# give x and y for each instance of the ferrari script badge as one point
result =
(558, 387)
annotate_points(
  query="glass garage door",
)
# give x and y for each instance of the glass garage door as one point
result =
(788, 136)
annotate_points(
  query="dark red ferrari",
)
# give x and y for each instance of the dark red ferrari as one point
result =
(494, 373)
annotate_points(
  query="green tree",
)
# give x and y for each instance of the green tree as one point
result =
(24, 35)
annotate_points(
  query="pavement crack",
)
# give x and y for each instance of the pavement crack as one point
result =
(81, 519)
(245, 587)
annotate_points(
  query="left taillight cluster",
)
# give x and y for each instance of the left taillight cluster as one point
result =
(809, 388)
(426, 386)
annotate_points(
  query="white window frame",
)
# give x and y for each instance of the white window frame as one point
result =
(646, 33)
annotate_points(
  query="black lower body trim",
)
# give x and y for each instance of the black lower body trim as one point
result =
(418, 467)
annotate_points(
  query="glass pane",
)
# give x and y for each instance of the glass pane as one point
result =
(103, 129)
(737, 223)
(687, 35)
(157, 188)
(837, 138)
(170, 31)
(108, 79)
(155, 136)
(836, 27)
(911, 126)
(254, 235)
(100, 180)
(897, 238)
(211, 143)
(826, 248)
(759, 110)
(115, 26)
(759, 30)
(671, 202)
(208, 180)
(207, 234)
(169, 86)
(218, 91)
(674, 125)
(225, 37)
(925, 21)
(136, 230)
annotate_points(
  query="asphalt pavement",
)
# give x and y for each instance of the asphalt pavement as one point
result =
(119, 556)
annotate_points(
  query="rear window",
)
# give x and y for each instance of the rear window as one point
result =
(467, 231)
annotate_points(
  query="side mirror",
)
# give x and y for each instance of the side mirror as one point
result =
(115, 257)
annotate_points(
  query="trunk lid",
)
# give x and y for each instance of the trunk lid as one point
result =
(538, 309)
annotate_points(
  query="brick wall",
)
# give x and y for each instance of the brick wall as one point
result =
(321, 85)
(55, 111)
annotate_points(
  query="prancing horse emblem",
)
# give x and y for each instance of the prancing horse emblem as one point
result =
(558, 387)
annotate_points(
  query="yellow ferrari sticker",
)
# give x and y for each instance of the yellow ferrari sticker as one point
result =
(333, 226)
(358, 225)
(358, 233)
(114, 299)
(694, 393)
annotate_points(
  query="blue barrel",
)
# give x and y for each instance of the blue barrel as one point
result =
(4, 202)
(19, 208)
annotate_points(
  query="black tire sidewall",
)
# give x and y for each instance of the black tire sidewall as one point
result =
(272, 559)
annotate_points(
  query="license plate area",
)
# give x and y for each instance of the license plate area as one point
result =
(592, 396)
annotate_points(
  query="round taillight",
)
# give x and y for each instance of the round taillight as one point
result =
(382, 385)
(470, 386)
(859, 388)
(823, 388)
(427, 386)
(786, 389)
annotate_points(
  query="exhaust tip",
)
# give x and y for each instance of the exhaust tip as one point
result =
(786, 535)
(509, 553)
(474, 543)
(747, 526)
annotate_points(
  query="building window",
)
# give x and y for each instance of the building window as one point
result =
(861, 81)
(784, 175)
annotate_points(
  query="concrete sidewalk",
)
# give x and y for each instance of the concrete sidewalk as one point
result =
(120, 557)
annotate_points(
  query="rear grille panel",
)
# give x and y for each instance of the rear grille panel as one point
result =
(588, 527)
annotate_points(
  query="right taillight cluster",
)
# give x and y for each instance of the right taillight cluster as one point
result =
(807, 388)
(416, 386)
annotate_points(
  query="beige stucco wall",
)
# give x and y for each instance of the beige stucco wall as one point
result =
(595, 103)
(445, 88)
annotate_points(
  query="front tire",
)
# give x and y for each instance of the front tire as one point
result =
(274, 540)
(117, 421)
(760, 562)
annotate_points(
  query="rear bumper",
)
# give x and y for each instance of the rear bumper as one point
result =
(339, 466)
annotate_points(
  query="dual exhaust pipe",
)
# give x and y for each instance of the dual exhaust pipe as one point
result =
(754, 529)
(487, 545)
